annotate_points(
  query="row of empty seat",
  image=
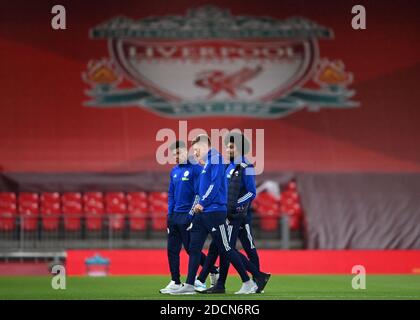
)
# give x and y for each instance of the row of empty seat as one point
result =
(270, 209)
(73, 211)
(73, 208)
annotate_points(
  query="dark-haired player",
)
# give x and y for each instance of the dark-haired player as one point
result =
(240, 176)
(183, 187)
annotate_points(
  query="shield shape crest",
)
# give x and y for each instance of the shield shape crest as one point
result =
(210, 62)
(216, 70)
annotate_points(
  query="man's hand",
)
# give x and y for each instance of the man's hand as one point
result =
(240, 209)
(198, 208)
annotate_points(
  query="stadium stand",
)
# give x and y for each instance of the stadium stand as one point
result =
(100, 215)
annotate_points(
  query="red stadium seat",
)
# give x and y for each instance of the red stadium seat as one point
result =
(50, 210)
(290, 205)
(289, 195)
(7, 221)
(7, 202)
(158, 195)
(267, 207)
(7, 197)
(137, 202)
(158, 199)
(263, 201)
(137, 207)
(11, 208)
(50, 197)
(159, 220)
(28, 202)
(28, 208)
(138, 221)
(159, 213)
(159, 208)
(7, 211)
(269, 223)
(116, 207)
(50, 218)
(137, 210)
(72, 210)
(94, 210)
(136, 196)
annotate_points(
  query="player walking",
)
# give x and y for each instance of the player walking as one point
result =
(210, 217)
(183, 187)
(240, 177)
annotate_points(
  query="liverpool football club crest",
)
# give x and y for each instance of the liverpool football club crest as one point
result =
(211, 63)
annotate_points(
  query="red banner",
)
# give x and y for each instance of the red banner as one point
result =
(331, 99)
(154, 261)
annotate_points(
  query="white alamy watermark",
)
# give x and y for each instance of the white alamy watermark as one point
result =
(255, 137)
(358, 22)
(58, 281)
(359, 280)
(58, 21)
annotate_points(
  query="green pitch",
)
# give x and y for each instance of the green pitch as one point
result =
(147, 287)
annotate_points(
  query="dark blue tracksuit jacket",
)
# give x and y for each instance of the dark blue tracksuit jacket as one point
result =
(212, 187)
(183, 187)
(248, 189)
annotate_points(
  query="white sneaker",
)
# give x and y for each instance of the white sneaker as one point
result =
(185, 289)
(170, 287)
(213, 279)
(248, 287)
(199, 286)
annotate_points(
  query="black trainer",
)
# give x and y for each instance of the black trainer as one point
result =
(261, 281)
(213, 290)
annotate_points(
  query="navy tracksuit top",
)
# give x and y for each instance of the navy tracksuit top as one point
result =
(248, 189)
(183, 187)
(212, 186)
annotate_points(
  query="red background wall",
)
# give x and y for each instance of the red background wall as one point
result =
(154, 261)
(45, 127)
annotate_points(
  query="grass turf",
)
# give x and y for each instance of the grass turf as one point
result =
(336, 287)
